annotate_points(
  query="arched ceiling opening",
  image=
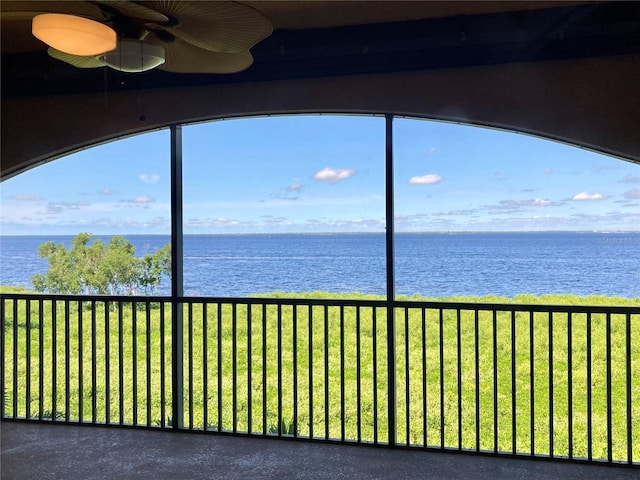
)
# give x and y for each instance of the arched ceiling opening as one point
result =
(568, 71)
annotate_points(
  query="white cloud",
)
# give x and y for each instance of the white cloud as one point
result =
(589, 196)
(548, 171)
(149, 178)
(632, 194)
(142, 199)
(514, 206)
(342, 225)
(534, 202)
(216, 222)
(334, 175)
(294, 187)
(106, 191)
(27, 198)
(631, 179)
(158, 222)
(53, 208)
(462, 213)
(430, 179)
(432, 151)
(100, 217)
(339, 201)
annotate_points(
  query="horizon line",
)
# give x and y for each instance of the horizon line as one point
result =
(438, 232)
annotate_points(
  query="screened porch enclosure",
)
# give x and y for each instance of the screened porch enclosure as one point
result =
(534, 380)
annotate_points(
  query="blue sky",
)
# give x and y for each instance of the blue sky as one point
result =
(326, 174)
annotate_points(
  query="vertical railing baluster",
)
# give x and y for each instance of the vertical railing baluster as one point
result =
(234, 366)
(459, 375)
(441, 351)
(326, 372)
(628, 385)
(3, 360)
(40, 358)
(609, 399)
(374, 345)
(264, 369)
(279, 350)
(342, 384)
(190, 361)
(407, 393)
(80, 365)
(514, 446)
(310, 334)
(570, 382)
(551, 390)
(177, 337)
(54, 358)
(67, 363)
(27, 399)
(423, 349)
(148, 346)
(358, 377)
(163, 386)
(107, 364)
(249, 369)
(589, 380)
(205, 371)
(294, 421)
(15, 358)
(219, 366)
(134, 358)
(120, 363)
(495, 381)
(476, 346)
(532, 376)
(94, 362)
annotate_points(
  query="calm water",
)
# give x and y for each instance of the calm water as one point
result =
(429, 264)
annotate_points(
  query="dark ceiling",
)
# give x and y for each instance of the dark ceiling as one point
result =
(525, 33)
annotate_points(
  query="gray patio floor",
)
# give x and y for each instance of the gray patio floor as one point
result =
(37, 451)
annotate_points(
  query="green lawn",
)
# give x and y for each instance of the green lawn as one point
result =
(336, 369)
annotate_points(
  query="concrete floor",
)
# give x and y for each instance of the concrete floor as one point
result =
(37, 451)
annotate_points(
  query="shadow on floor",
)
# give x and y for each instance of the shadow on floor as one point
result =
(40, 451)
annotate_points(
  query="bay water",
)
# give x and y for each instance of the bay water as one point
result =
(427, 264)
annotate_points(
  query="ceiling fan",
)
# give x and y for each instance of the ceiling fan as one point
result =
(179, 36)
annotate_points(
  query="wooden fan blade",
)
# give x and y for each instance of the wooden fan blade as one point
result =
(135, 10)
(180, 57)
(78, 61)
(223, 27)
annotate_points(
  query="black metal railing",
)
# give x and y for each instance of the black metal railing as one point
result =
(527, 380)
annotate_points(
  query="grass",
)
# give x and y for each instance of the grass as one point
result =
(310, 370)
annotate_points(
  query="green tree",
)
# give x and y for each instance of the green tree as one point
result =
(154, 267)
(100, 268)
(60, 278)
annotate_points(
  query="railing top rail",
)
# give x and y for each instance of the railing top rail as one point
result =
(378, 303)
(520, 307)
(86, 298)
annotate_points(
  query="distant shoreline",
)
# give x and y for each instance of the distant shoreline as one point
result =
(453, 232)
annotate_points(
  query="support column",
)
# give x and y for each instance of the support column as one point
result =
(391, 282)
(177, 372)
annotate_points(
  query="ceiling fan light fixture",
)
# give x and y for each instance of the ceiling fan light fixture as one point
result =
(72, 34)
(133, 56)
